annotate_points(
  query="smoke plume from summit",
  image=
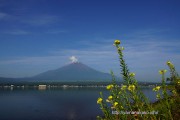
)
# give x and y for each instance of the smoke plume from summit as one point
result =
(73, 59)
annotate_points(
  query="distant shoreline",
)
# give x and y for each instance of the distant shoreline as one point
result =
(71, 83)
(63, 86)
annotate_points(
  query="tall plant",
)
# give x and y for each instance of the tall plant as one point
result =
(127, 101)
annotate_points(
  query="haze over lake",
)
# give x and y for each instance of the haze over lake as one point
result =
(54, 104)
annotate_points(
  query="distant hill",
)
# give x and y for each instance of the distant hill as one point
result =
(73, 72)
(4, 80)
(70, 73)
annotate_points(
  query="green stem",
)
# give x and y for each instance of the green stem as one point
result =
(165, 95)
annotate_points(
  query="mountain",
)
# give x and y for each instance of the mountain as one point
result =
(72, 72)
(6, 80)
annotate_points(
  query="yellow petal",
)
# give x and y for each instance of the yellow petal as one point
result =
(99, 100)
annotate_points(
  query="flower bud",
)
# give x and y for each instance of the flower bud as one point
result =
(117, 42)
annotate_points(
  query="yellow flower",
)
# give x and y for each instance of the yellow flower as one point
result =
(131, 88)
(158, 96)
(156, 88)
(99, 100)
(132, 74)
(123, 87)
(109, 87)
(162, 71)
(110, 97)
(168, 63)
(115, 104)
(117, 42)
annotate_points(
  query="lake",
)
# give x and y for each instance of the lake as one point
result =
(53, 104)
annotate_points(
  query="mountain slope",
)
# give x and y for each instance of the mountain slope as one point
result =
(72, 72)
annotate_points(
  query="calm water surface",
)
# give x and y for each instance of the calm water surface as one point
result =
(53, 104)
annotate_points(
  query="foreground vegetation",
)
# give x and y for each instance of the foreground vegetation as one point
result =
(128, 102)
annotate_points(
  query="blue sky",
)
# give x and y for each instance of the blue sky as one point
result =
(40, 35)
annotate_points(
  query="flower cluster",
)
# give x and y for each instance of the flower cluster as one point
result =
(129, 96)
